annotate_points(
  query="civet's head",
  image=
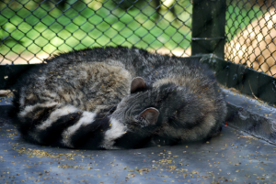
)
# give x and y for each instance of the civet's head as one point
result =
(135, 110)
(168, 103)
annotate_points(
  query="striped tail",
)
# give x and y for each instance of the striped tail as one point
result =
(67, 126)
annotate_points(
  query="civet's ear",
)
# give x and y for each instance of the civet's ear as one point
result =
(150, 115)
(138, 84)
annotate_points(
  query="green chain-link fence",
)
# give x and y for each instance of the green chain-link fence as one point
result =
(31, 30)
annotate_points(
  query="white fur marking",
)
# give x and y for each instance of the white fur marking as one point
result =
(86, 119)
(117, 130)
(30, 108)
(57, 114)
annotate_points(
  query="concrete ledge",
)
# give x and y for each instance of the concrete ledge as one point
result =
(251, 116)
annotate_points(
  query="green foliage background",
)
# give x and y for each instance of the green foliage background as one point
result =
(32, 27)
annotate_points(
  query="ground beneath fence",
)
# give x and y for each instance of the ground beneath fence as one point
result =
(232, 157)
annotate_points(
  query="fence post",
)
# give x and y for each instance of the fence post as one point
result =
(208, 27)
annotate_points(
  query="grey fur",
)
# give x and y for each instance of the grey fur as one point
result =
(190, 104)
(180, 100)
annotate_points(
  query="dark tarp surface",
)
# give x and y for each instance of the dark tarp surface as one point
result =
(232, 157)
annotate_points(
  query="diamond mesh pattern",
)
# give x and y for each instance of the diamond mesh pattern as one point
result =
(31, 30)
(250, 31)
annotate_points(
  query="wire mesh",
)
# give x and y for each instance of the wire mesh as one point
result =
(250, 32)
(31, 30)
